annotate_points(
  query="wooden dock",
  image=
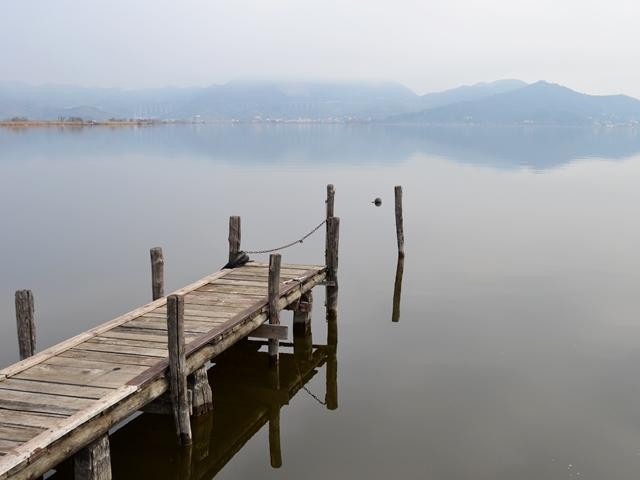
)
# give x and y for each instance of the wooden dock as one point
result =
(68, 395)
(62, 402)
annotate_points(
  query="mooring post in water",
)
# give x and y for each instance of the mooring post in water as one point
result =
(275, 451)
(331, 193)
(93, 462)
(274, 296)
(234, 237)
(178, 367)
(399, 221)
(331, 250)
(157, 273)
(25, 322)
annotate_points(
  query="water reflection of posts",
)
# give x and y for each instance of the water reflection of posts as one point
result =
(331, 396)
(397, 289)
(275, 452)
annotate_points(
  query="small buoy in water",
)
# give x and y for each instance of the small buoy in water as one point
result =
(377, 202)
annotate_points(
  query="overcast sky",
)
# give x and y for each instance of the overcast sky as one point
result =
(428, 45)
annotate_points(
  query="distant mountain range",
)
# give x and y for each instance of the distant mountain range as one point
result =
(503, 102)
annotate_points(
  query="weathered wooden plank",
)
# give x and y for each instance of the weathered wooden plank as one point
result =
(72, 342)
(125, 343)
(212, 301)
(238, 290)
(7, 445)
(277, 332)
(81, 391)
(18, 433)
(130, 350)
(43, 403)
(212, 311)
(195, 315)
(155, 323)
(113, 358)
(146, 337)
(30, 419)
(117, 376)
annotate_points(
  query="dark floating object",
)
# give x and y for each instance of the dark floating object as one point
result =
(377, 202)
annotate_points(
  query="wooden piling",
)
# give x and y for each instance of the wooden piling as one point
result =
(93, 462)
(302, 335)
(274, 296)
(157, 273)
(201, 394)
(331, 193)
(234, 237)
(178, 367)
(331, 392)
(25, 322)
(331, 250)
(399, 220)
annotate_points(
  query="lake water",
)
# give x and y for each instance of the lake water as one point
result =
(517, 351)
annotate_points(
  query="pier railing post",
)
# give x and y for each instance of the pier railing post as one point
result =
(331, 251)
(331, 193)
(274, 296)
(178, 367)
(157, 273)
(25, 322)
(234, 237)
(399, 220)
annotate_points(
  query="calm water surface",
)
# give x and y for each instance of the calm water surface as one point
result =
(518, 345)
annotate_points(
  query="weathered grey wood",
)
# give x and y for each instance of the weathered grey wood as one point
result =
(331, 251)
(273, 332)
(399, 220)
(93, 462)
(177, 367)
(157, 273)
(397, 289)
(275, 452)
(331, 193)
(201, 396)
(26, 323)
(274, 296)
(234, 237)
(302, 311)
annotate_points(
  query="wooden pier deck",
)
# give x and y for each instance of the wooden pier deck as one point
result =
(58, 401)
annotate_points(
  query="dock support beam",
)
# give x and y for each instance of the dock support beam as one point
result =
(25, 322)
(178, 368)
(93, 462)
(234, 237)
(331, 251)
(274, 296)
(157, 273)
(399, 220)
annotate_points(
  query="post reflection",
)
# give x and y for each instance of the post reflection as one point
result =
(397, 289)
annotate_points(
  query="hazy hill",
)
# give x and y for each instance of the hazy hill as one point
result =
(238, 100)
(540, 103)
